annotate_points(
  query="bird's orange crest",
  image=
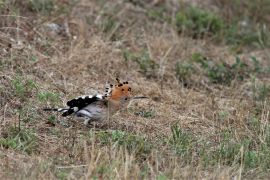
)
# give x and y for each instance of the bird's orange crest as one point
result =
(121, 89)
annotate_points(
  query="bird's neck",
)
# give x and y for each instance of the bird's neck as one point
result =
(114, 106)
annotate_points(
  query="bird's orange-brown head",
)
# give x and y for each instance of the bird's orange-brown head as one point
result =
(121, 91)
(119, 95)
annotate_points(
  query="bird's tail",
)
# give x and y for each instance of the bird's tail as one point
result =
(56, 109)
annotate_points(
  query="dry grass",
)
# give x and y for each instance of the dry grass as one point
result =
(191, 127)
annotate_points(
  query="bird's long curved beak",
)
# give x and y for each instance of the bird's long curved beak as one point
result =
(140, 97)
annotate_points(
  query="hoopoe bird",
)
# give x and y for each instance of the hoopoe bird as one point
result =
(100, 106)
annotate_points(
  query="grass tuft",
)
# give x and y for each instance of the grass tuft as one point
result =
(24, 140)
(133, 143)
(181, 142)
(198, 23)
(218, 50)
(41, 6)
(147, 66)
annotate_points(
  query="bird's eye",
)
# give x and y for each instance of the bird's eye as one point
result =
(126, 98)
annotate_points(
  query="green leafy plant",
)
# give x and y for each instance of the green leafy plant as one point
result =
(184, 71)
(52, 120)
(159, 14)
(239, 36)
(48, 96)
(108, 24)
(132, 143)
(19, 139)
(147, 66)
(258, 68)
(27, 113)
(228, 152)
(223, 73)
(260, 91)
(22, 87)
(61, 174)
(43, 6)
(197, 22)
(245, 24)
(181, 142)
(162, 177)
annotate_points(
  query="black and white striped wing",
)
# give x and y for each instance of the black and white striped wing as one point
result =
(81, 102)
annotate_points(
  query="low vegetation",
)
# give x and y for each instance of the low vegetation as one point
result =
(204, 66)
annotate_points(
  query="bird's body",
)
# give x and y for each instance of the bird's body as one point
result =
(100, 106)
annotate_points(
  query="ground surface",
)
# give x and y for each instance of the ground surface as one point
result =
(203, 64)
